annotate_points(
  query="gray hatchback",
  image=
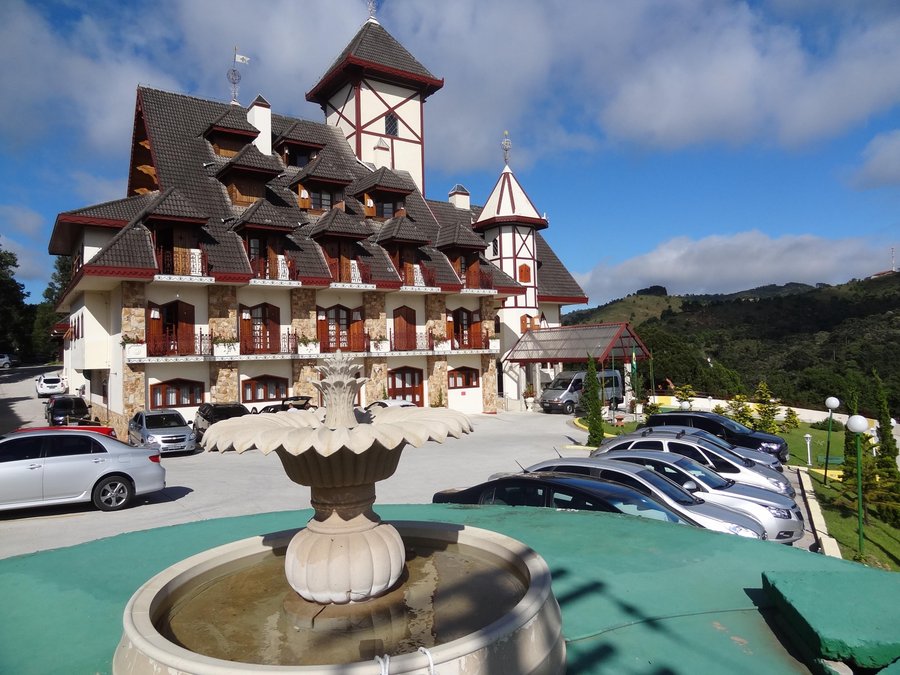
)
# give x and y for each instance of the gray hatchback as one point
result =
(165, 430)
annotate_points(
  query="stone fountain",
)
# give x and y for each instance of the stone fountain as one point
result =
(357, 595)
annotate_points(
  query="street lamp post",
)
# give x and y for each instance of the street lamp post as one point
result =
(831, 403)
(808, 438)
(858, 425)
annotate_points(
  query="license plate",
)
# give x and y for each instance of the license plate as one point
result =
(175, 447)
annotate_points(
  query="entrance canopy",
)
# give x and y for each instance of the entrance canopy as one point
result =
(606, 342)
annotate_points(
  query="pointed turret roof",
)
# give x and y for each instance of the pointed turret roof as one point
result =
(375, 52)
(509, 203)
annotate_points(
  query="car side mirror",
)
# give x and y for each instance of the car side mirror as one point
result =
(190, 422)
(691, 486)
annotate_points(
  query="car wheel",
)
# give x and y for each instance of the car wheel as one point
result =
(569, 408)
(113, 493)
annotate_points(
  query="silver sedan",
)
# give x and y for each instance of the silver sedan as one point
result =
(63, 466)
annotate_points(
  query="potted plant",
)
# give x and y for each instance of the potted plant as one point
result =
(528, 395)
(441, 343)
(379, 343)
(224, 345)
(135, 347)
(307, 345)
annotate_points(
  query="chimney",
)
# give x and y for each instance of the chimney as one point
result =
(459, 197)
(260, 116)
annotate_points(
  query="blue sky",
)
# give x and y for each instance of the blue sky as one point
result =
(704, 145)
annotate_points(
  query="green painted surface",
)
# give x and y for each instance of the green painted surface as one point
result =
(850, 615)
(636, 596)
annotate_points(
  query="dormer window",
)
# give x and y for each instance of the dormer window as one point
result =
(391, 124)
(324, 199)
(298, 156)
(387, 210)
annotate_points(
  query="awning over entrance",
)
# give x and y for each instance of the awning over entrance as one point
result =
(606, 342)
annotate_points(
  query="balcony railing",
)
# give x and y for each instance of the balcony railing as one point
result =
(360, 273)
(269, 343)
(417, 275)
(470, 340)
(179, 343)
(284, 268)
(182, 262)
(409, 341)
(478, 279)
(332, 341)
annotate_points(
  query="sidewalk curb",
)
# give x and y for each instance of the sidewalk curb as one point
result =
(827, 544)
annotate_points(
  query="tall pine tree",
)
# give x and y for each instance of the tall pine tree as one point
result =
(590, 397)
(887, 499)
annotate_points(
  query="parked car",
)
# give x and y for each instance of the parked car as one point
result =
(723, 427)
(67, 465)
(97, 428)
(758, 456)
(63, 410)
(164, 430)
(391, 403)
(561, 491)
(50, 383)
(210, 413)
(295, 402)
(779, 514)
(720, 460)
(8, 360)
(708, 515)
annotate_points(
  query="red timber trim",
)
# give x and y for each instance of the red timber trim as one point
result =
(512, 290)
(322, 282)
(358, 123)
(538, 223)
(90, 220)
(391, 109)
(564, 299)
(450, 288)
(388, 284)
(426, 85)
(232, 277)
(125, 272)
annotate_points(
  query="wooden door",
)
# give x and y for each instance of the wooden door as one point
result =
(406, 383)
(404, 329)
(185, 329)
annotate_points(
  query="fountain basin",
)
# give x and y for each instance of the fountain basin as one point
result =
(525, 637)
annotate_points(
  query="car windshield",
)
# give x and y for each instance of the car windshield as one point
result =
(638, 505)
(165, 421)
(561, 382)
(724, 453)
(50, 380)
(671, 490)
(707, 476)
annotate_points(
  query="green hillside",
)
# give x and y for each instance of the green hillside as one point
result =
(806, 343)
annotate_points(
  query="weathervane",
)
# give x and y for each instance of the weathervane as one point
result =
(506, 144)
(372, 7)
(234, 75)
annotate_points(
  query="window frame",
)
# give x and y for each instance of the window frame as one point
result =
(160, 390)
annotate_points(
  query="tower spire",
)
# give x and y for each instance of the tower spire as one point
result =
(372, 6)
(506, 144)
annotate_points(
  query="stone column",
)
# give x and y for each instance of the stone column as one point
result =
(303, 373)
(223, 312)
(436, 316)
(374, 314)
(134, 379)
(376, 370)
(489, 382)
(223, 375)
(437, 381)
(303, 313)
(488, 313)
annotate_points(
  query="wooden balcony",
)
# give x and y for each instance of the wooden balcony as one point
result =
(179, 343)
(281, 269)
(269, 343)
(417, 276)
(185, 262)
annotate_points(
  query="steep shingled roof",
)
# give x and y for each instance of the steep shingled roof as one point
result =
(382, 179)
(401, 229)
(375, 51)
(338, 223)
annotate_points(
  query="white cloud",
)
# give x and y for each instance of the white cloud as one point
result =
(33, 263)
(726, 264)
(881, 162)
(96, 189)
(21, 219)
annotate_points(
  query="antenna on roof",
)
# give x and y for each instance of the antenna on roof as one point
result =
(234, 75)
(506, 144)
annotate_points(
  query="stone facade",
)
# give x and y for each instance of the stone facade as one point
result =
(134, 380)
(437, 381)
(489, 382)
(223, 375)
(376, 370)
(488, 313)
(374, 315)
(303, 313)
(303, 374)
(436, 316)
(223, 313)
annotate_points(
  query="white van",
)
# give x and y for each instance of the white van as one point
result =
(564, 392)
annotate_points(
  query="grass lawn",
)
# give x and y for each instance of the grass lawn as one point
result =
(817, 445)
(881, 542)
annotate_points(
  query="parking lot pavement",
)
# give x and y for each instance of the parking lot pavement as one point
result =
(217, 485)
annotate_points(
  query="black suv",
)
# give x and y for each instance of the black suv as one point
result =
(723, 427)
(62, 410)
(210, 413)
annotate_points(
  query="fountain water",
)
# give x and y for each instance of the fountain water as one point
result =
(356, 595)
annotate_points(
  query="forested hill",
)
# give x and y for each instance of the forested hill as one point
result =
(806, 342)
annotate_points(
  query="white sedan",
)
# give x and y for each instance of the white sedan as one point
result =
(52, 383)
(67, 465)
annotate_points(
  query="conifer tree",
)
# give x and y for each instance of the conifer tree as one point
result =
(590, 397)
(766, 409)
(887, 501)
(791, 420)
(849, 471)
(739, 411)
